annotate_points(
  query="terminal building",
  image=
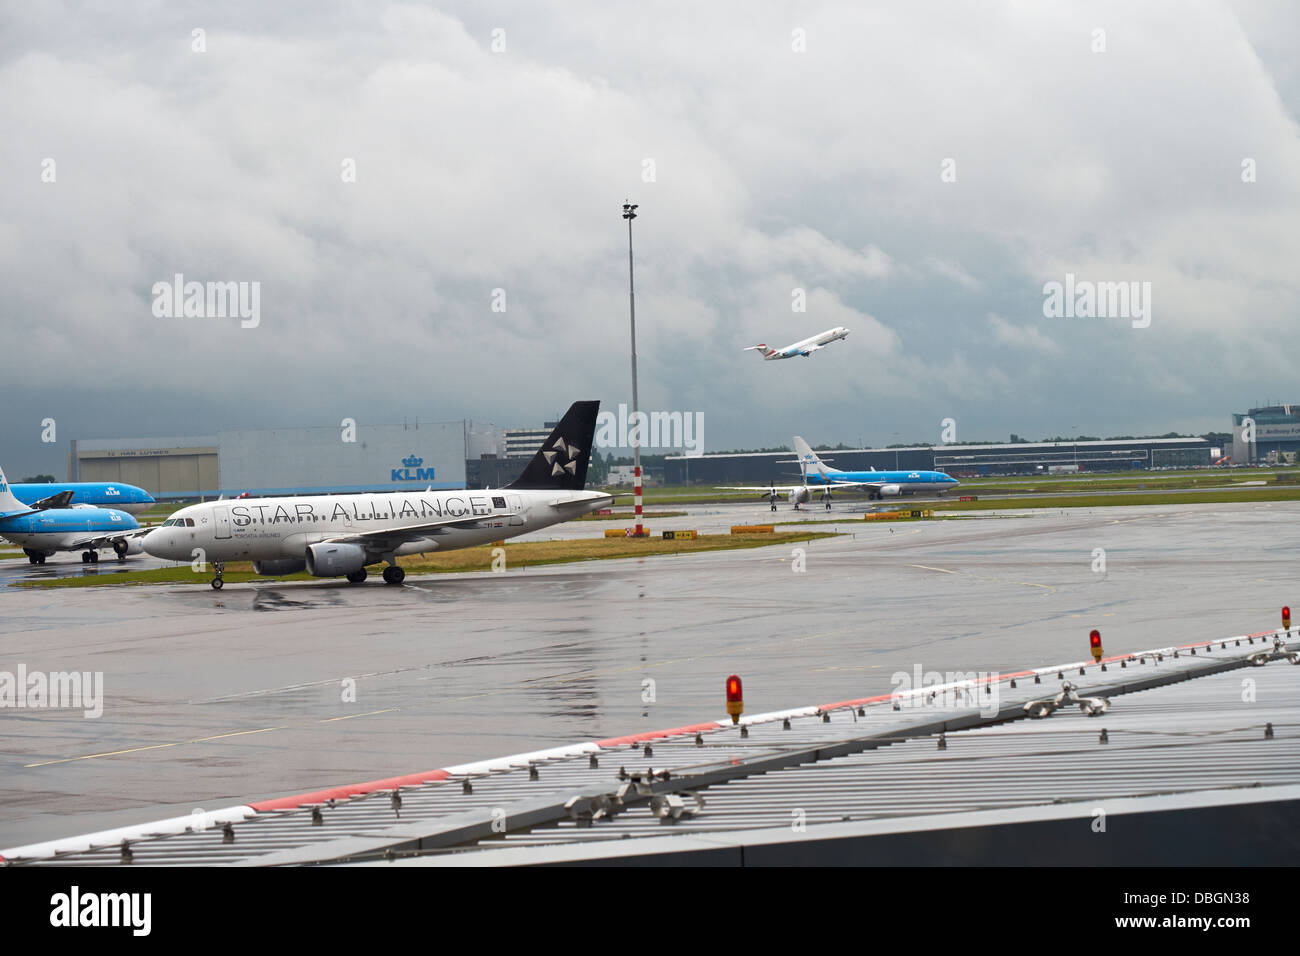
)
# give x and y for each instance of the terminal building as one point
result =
(1266, 434)
(466, 453)
(960, 461)
(524, 442)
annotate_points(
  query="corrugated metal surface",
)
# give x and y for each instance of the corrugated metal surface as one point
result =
(1194, 735)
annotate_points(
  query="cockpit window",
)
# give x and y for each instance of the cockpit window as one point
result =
(189, 522)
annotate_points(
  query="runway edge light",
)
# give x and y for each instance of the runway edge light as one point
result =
(1094, 639)
(735, 699)
(1286, 617)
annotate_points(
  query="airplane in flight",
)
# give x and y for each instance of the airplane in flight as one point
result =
(51, 526)
(339, 535)
(818, 477)
(804, 347)
(95, 494)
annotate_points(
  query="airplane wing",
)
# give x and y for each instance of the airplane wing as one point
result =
(810, 350)
(102, 539)
(386, 539)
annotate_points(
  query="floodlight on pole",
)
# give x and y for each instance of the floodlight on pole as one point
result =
(629, 213)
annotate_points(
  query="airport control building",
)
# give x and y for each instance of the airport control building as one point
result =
(960, 461)
(277, 461)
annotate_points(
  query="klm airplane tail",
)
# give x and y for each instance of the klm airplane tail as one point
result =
(561, 463)
(9, 505)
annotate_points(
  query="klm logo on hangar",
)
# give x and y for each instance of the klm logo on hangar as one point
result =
(411, 470)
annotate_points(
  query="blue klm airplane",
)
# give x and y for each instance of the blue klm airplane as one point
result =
(50, 526)
(97, 494)
(878, 484)
(882, 484)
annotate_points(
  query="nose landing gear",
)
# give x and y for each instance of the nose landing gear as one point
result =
(217, 582)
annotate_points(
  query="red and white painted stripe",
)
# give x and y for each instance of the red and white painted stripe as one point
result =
(202, 821)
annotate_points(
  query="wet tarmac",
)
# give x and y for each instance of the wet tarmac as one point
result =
(212, 699)
(70, 565)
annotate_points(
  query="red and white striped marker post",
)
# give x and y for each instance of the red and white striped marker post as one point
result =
(636, 489)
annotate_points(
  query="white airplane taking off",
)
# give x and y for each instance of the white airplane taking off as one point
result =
(805, 348)
(338, 535)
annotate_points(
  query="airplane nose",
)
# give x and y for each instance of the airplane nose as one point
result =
(159, 544)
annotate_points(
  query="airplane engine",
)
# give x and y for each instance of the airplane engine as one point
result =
(279, 567)
(889, 491)
(333, 560)
(798, 496)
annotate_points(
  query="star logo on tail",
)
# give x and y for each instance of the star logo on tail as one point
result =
(568, 451)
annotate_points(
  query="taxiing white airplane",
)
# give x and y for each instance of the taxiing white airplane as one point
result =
(339, 535)
(805, 347)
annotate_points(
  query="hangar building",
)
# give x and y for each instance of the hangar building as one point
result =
(274, 461)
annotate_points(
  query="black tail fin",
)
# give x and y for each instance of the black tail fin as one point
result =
(561, 464)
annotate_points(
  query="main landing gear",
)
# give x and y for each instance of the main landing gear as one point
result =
(90, 557)
(218, 567)
(392, 575)
(35, 557)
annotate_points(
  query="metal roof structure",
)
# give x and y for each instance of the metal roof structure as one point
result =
(926, 775)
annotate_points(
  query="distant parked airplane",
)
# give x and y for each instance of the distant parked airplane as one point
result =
(52, 526)
(96, 494)
(805, 347)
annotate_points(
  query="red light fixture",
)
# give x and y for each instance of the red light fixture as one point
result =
(1286, 618)
(735, 699)
(1094, 640)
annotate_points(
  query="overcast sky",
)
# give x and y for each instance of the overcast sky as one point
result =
(772, 147)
